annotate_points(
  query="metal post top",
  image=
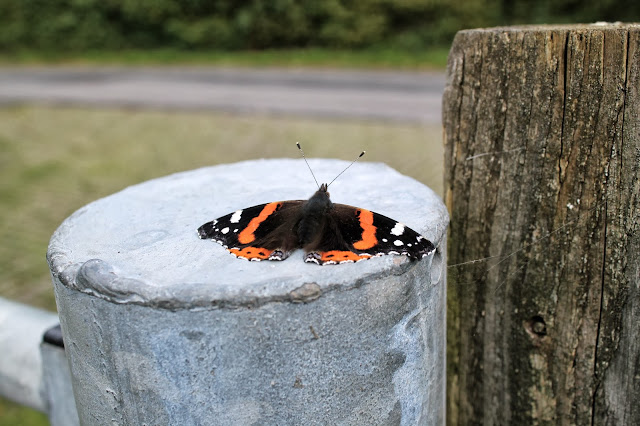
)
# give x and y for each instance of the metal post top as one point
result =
(140, 245)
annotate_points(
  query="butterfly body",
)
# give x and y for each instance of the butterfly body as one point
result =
(329, 233)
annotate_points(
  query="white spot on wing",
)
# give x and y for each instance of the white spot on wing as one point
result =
(235, 218)
(398, 229)
(398, 243)
(384, 240)
(225, 230)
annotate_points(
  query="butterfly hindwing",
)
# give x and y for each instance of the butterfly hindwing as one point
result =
(256, 233)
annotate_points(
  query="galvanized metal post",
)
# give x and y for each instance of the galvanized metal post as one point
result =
(164, 328)
(61, 405)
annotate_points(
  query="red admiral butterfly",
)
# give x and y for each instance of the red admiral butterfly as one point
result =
(328, 233)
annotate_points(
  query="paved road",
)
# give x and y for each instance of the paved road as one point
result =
(398, 96)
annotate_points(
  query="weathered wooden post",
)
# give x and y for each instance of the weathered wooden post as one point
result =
(542, 136)
(161, 327)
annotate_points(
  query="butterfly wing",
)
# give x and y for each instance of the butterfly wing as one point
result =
(256, 233)
(355, 234)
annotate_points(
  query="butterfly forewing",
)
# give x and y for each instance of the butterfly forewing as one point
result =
(362, 234)
(395, 237)
(253, 233)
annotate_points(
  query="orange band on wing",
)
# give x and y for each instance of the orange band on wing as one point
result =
(368, 231)
(247, 236)
(339, 256)
(252, 252)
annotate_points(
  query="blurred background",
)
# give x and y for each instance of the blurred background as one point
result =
(99, 95)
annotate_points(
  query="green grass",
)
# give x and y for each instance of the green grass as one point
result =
(434, 58)
(53, 161)
(12, 414)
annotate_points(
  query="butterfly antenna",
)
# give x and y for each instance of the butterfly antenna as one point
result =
(358, 157)
(305, 160)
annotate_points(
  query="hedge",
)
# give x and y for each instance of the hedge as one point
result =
(254, 24)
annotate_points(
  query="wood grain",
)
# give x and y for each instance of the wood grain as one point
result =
(542, 159)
